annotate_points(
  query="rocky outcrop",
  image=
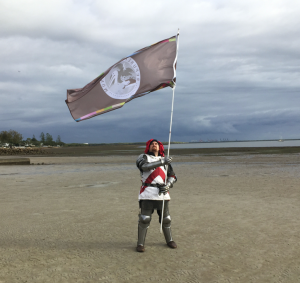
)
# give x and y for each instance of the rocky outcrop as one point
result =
(23, 151)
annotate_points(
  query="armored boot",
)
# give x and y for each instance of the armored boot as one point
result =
(166, 227)
(144, 222)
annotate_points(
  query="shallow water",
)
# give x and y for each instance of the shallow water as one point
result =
(237, 144)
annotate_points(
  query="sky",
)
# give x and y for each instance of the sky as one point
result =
(237, 72)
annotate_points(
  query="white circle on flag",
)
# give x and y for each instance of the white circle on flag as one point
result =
(123, 80)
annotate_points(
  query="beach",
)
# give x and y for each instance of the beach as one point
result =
(235, 218)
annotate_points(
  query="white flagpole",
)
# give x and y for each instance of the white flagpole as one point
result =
(175, 61)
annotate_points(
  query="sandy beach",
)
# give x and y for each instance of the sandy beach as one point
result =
(235, 218)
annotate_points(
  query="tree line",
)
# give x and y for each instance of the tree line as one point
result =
(12, 137)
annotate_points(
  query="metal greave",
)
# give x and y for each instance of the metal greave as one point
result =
(143, 224)
(166, 227)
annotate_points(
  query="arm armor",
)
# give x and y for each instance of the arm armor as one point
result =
(171, 181)
(172, 178)
(148, 166)
(143, 165)
(165, 188)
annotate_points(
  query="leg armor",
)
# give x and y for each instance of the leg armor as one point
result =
(166, 227)
(144, 222)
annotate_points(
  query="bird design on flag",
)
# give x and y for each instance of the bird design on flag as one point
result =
(122, 76)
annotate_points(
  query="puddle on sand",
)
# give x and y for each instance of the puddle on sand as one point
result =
(100, 185)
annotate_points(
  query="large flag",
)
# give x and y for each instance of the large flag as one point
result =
(146, 70)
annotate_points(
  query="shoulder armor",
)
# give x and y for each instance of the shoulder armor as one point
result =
(142, 159)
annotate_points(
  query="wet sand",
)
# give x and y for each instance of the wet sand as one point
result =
(9, 160)
(74, 219)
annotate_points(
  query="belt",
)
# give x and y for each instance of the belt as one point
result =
(152, 185)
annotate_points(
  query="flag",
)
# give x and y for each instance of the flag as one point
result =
(146, 70)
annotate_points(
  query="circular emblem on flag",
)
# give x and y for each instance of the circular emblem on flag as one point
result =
(123, 80)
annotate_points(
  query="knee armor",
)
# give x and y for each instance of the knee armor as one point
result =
(144, 219)
(167, 220)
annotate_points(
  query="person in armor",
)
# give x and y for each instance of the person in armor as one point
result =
(155, 168)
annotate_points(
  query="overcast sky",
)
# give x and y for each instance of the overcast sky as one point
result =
(237, 73)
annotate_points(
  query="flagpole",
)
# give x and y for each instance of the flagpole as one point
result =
(175, 61)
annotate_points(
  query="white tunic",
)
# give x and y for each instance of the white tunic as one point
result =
(153, 176)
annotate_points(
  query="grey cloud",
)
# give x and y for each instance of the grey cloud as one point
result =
(238, 67)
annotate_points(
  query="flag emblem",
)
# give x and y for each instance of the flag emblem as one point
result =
(123, 80)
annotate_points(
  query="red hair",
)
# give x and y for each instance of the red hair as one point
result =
(161, 147)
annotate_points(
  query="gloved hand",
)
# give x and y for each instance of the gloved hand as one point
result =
(166, 160)
(164, 189)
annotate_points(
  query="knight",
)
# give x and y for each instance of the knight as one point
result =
(154, 169)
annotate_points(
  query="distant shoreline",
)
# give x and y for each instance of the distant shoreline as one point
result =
(135, 149)
(172, 142)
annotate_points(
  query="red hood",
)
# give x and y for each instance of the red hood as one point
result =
(161, 147)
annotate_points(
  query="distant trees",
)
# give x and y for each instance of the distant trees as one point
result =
(58, 140)
(49, 139)
(14, 138)
(42, 137)
(34, 139)
(10, 137)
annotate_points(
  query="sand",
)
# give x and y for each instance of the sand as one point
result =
(74, 219)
